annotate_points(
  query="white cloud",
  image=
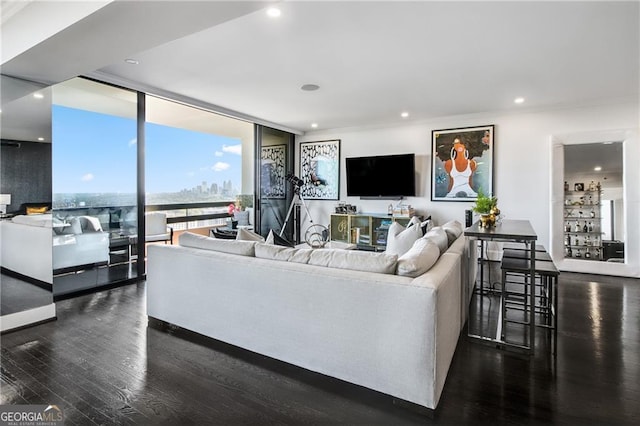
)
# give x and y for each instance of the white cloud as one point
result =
(232, 149)
(220, 166)
(219, 153)
(88, 177)
(132, 142)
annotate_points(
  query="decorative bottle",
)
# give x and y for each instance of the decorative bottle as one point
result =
(577, 229)
(584, 228)
(579, 253)
(592, 186)
(590, 227)
(566, 185)
(569, 253)
(587, 254)
(593, 213)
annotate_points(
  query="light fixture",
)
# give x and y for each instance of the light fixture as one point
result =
(5, 200)
(38, 95)
(314, 125)
(519, 100)
(132, 61)
(40, 139)
(309, 87)
(597, 168)
(273, 12)
(405, 114)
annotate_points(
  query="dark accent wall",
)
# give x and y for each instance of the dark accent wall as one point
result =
(25, 172)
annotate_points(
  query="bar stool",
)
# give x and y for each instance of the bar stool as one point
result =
(521, 246)
(517, 286)
(525, 254)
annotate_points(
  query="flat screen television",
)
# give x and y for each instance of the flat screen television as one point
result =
(384, 176)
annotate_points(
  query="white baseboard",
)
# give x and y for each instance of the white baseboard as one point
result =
(30, 316)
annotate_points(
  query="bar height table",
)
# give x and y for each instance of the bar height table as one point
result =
(507, 230)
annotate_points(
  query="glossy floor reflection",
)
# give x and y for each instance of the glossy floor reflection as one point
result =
(102, 364)
(17, 295)
(65, 285)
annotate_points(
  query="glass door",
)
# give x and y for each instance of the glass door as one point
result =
(274, 161)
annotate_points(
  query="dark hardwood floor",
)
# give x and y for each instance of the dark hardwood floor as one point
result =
(101, 364)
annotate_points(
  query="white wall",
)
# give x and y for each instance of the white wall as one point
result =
(521, 163)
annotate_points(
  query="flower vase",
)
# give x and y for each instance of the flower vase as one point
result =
(487, 220)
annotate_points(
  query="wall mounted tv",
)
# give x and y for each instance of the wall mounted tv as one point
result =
(385, 176)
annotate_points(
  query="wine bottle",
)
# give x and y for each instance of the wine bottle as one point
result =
(590, 227)
(584, 228)
(569, 254)
(587, 255)
(578, 253)
(577, 226)
(593, 213)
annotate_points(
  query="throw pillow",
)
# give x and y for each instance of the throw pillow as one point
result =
(438, 236)
(242, 248)
(74, 227)
(425, 225)
(419, 259)
(453, 228)
(246, 235)
(381, 263)
(401, 239)
(274, 239)
(285, 254)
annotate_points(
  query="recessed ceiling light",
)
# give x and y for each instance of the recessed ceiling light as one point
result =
(38, 95)
(309, 87)
(273, 12)
(40, 139)
(519, 100)
(404, 114)
(314, 125)
(597, 168)
(132, 61)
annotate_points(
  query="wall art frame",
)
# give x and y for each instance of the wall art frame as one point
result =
(273, 159)
(320, 170)
(462, 163)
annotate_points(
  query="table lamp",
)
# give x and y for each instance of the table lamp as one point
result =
(5, 200)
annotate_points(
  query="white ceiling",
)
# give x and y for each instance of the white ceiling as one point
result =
(372, 60)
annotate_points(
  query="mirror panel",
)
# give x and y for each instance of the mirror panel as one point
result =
(25, 185)
(620, 198)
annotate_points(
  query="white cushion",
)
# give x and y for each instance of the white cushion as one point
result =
(242, 248)
(401, 239)
(285, 254)
(438, 236)
(381, 263)
(419, 259)
(425, 225)
(246, 235)
(453, 229)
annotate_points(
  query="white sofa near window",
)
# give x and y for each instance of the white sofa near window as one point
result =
(390, 333)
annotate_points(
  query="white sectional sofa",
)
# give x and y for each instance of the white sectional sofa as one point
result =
(394, 334)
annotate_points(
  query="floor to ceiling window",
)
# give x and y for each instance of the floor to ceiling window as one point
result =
(197, 164)
(94, 184)
(193, 167)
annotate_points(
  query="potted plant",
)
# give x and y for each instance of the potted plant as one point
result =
(487, 207)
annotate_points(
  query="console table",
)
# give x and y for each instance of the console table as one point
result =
(506, 230)
(367, 231)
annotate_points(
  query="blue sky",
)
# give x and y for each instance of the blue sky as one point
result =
(95, 152)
